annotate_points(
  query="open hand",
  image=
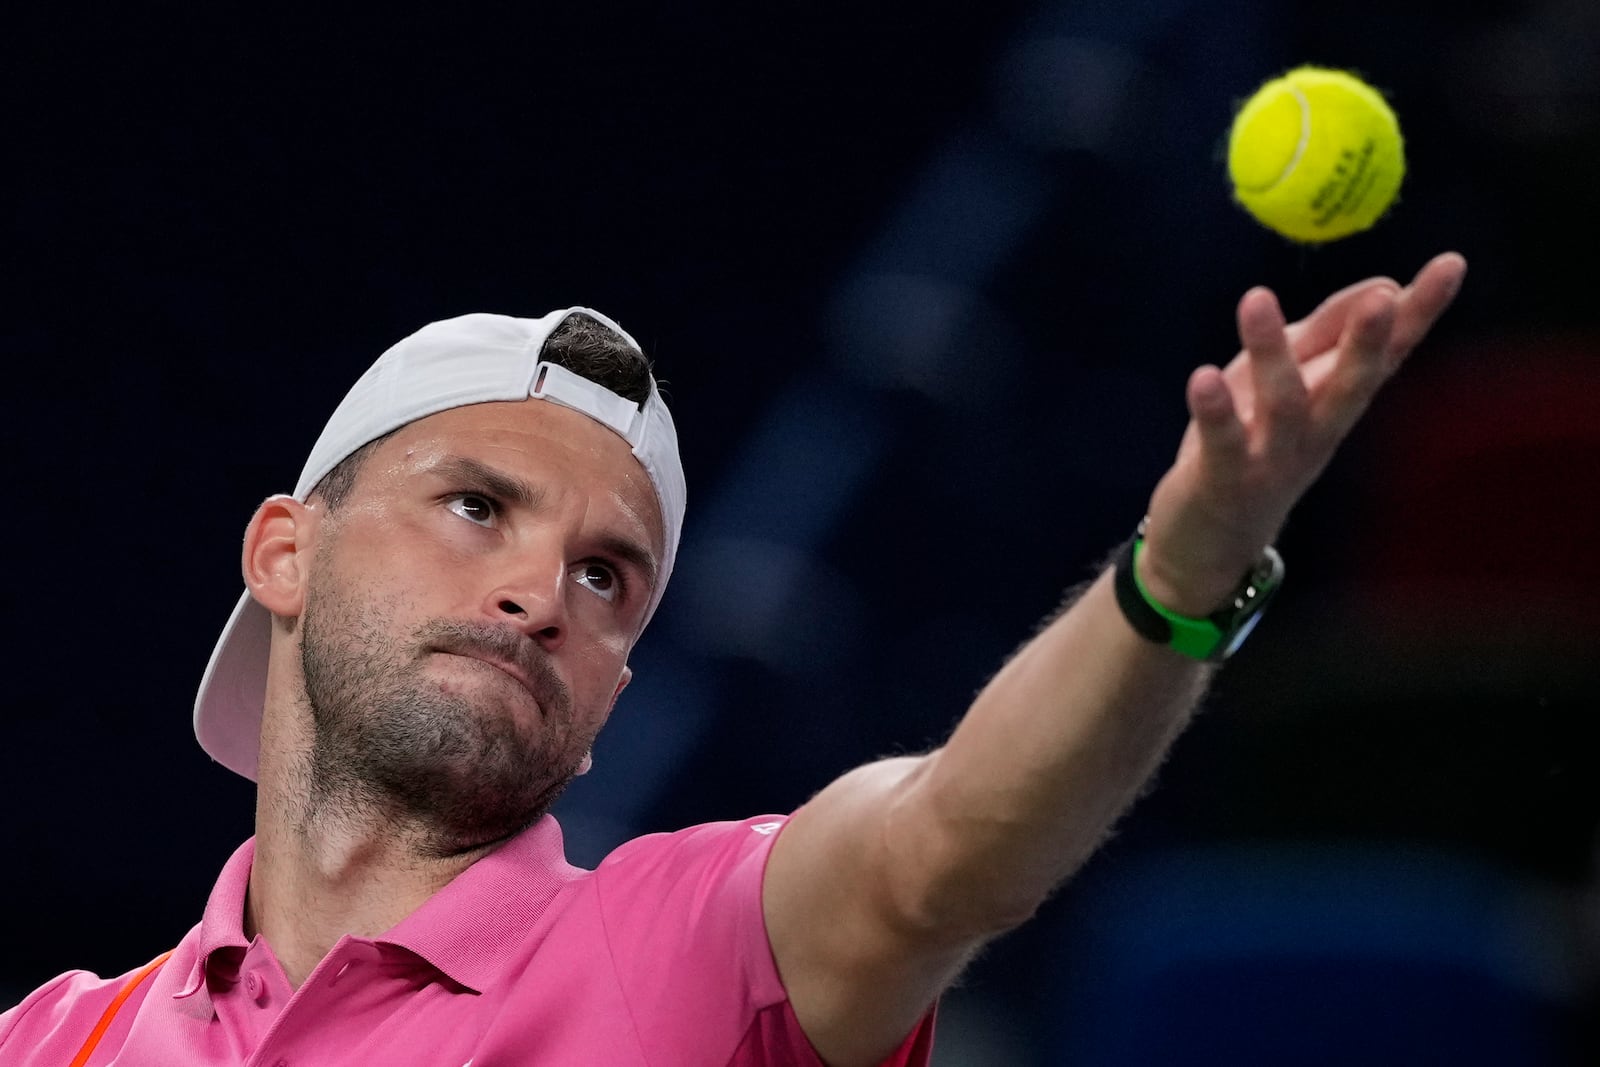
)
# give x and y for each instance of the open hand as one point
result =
(1262, 428)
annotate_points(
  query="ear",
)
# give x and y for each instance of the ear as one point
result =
(277, 554)
(622, 683)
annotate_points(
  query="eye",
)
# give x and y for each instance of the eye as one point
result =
(599, 579)
(474, 507)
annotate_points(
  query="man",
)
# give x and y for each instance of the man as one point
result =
(437, 624)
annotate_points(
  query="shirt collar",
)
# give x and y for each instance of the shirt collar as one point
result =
(466, 928)
(222, 926)
(463, 930)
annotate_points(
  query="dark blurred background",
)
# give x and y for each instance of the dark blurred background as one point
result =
(925, 282)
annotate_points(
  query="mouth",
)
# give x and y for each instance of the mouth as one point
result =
(507, 668)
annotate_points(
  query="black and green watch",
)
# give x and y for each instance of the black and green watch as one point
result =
(1214, 637)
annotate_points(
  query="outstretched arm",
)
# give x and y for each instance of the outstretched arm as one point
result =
(884, 884)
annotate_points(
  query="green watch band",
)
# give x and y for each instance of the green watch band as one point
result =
(1213, 637)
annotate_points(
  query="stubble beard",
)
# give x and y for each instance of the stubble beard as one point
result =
(452, 772)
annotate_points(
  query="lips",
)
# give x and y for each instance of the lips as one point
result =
(512, 654)
(501, 664)
(515, 672)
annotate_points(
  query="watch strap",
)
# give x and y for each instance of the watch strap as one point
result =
(1213, 637)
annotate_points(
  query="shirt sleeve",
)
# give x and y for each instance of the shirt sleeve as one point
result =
(685, 930)
(52, 1022)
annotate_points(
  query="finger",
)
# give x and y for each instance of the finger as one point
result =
(1320, 330)
(1280, 394)
(1223, 441)
(1423, 301)
(1361, 367)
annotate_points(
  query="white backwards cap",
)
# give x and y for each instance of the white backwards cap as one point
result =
(473, 359)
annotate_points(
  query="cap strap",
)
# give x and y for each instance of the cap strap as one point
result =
(551, 381)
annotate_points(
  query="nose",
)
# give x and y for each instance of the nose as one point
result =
(533, 597)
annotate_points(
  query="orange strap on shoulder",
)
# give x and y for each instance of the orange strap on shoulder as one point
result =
(110, 1013)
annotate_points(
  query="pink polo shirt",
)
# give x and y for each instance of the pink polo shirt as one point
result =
(658, 957)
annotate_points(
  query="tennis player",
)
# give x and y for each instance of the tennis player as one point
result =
(436, 624)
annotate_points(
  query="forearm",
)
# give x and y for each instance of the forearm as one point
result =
(1053, 750)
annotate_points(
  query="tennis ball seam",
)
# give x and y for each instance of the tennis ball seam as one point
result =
(1305, 132)
(1300, 145)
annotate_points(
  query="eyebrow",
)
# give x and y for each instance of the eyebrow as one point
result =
(497, 482)
(633, 554)
(465, 470)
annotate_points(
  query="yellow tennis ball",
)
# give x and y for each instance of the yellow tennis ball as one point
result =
(1316, 155)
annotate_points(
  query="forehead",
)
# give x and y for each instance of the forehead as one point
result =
(552, 447)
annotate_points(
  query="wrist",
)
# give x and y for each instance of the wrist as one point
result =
(1186, 590)
(1192, 567)
(1212, 633)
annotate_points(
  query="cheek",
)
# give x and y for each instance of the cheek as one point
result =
(429, 555)
(612, 650)
(602, 667)
(438, 535)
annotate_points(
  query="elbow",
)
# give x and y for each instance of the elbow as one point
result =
(956, 878)
(950, 902)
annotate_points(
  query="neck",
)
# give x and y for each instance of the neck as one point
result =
(327, 866)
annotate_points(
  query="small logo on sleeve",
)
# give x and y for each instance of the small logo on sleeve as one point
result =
(765, 829)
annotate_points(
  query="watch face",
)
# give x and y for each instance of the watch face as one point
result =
(1241, 633)
(1253, 600)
